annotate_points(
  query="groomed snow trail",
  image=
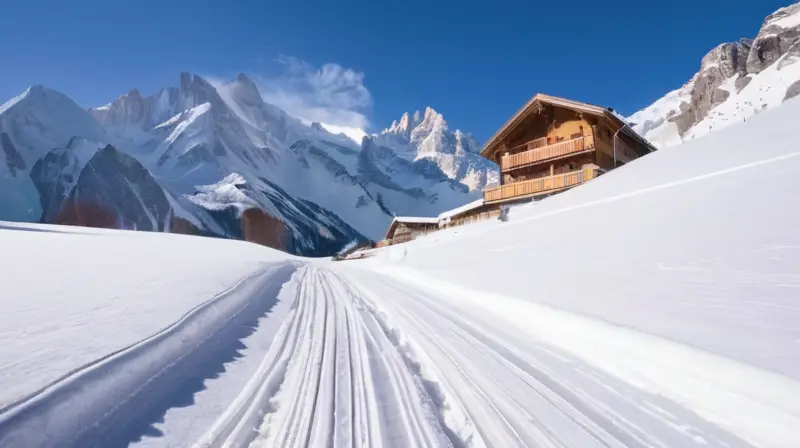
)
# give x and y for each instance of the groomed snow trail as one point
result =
(366, 360)
(333, 378)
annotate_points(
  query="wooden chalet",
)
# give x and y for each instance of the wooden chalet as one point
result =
(552, 144)
(404, 229)
(473, 212)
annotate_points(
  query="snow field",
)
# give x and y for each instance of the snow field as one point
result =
(653, 307)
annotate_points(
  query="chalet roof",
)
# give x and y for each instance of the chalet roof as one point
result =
(578, 106)
(415, 220)
(459, 210)
(408, 220)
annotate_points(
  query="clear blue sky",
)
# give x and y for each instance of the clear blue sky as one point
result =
(476, 62)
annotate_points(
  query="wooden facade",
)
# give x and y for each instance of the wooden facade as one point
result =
(553, 144)
(481, 212)
(406, 229)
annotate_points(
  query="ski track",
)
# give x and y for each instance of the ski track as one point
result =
(363, 360)
(344, 383)
(112, 401)
(368, 361)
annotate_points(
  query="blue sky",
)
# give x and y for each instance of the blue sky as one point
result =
(363, 63)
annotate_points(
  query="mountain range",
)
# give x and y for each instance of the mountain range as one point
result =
(194, 157)
(197, 157)
(736, 80)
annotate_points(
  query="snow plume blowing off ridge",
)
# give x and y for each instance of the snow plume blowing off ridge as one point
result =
(331, 95)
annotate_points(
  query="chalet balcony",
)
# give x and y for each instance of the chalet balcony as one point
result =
(533, 187)
(538, 150)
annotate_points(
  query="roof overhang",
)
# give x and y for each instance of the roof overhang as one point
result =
(541, 99)
(408, 220)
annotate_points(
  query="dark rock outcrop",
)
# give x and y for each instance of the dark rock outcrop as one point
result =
(119, 182)
(14, 160)
(774, 40)
(792, 91)
(778, 39)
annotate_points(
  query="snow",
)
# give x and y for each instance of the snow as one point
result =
(426, 136)
(788, 21)
(106, 288)
(652, 123)
(766, 88)
(765, 91)
(416, 219)
(442, 216)
(458, 210)
(355, 134)
(653, 306)
(691, 262)
(41, 119)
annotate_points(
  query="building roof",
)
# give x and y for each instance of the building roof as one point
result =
(459, 210)
(408, 220)
(442, 216)
(415, 220)
(578, 106)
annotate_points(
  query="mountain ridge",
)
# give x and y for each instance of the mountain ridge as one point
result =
(736, 81)
(202, 143)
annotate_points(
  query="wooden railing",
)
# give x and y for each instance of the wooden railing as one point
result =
(537, 152)
(540, 185)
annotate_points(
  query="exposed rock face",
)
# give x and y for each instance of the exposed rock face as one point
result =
(793, 91)
(742, 53)
(54, 176)
(726, 77)
(718, 65)
(778, 34)
(741, 83)
(119, 182)
(14, 160)
(426, 136)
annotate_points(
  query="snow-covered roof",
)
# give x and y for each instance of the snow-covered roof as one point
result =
(458, 210)
(409, 220)
(415, 220)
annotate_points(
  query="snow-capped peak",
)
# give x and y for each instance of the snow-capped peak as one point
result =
(37, 108)
(409, 124)
(736, 80)
(786, 17)
(244, 89)
(426, 135)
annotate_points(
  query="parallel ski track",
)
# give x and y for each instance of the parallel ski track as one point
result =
(333, 378)
(500, 390)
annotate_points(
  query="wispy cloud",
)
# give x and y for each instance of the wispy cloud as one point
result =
(331, 94)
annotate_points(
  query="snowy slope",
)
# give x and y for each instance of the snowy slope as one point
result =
(736, 81)
(691, 258)
(653, 306)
